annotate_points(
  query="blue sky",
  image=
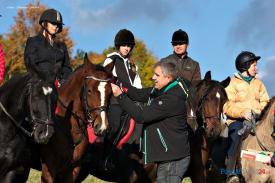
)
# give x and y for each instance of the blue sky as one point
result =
(218, 29)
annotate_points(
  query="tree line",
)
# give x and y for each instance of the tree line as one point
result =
(26, 25)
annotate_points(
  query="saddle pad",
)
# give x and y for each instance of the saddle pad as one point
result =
(91, 134)
(128, 134)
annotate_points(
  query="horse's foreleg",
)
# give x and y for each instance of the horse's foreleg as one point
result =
(75, 172)
(199, 158)
(17, 175)
(46, 176)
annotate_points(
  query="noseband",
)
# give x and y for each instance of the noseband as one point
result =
(87, 109)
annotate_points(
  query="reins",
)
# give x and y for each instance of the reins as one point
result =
(201, 109)
(29, 134)
(262, 146)
(34, 120)
(88, 117)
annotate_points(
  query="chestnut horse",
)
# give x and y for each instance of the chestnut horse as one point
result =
(82, 102)
(207, 105)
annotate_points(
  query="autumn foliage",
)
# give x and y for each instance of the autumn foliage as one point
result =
(26, 24)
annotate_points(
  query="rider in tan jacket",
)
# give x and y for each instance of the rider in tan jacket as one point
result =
(244, 97)
(246, 94)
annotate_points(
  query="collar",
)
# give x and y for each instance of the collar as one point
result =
(248, 79)
(116, 53)
(171, 85)
(154, 92)
(178, 56)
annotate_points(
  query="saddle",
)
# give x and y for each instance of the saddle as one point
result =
(130, 132)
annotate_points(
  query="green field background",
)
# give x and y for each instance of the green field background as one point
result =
(35, 178)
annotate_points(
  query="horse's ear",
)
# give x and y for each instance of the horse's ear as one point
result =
(86, 59)
(225, 82)
(87, 62)
(207, 76)
(109, 67)
(196, 82)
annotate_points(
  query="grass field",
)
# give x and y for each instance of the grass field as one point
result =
(35, 178)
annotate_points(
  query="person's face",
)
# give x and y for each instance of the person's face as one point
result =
(180, 48)
(124, 50)
(160, 80)
(52, 28)
(252, 70)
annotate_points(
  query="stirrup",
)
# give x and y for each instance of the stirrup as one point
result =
(233, 179)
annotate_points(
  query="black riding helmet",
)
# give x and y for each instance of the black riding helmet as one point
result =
(52, 16)
(244, 59)
(180, 36)
(124, 37)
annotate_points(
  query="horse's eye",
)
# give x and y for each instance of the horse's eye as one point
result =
(89, 91)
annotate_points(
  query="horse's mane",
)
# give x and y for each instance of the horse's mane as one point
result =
(265, 111)
(16, 82)
(98, 67)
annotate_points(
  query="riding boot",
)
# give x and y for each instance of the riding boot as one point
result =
(232, 173)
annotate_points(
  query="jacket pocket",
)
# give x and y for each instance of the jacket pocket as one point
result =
(187, 68)
(162, 140)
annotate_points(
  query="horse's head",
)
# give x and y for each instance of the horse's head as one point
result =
(95, 94)
(211, 96)
(41, 102)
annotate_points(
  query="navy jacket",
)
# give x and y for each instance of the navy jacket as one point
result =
(44, 60)
(165, 135)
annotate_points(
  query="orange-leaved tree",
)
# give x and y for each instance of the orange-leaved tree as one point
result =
(26, 24)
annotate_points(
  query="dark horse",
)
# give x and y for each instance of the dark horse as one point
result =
(82, 103)
(26, 116)
(207, 104)
(211, 97)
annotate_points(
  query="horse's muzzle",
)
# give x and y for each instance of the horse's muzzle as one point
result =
(213, 133)
(99, 129)
(42, 133)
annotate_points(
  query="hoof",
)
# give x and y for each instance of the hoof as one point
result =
(233, 179)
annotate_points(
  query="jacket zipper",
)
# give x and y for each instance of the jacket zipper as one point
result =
(145, 148)
(162, 140)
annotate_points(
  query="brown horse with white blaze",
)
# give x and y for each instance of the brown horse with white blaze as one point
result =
(82, 102)
(129, 166)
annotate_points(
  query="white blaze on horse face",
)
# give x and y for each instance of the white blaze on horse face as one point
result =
(191, 113)
(47, 90)
(101, 89)
(218, 95)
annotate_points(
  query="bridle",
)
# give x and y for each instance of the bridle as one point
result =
(36, 120)
(201, 110)
(89, 118)
(33, 119)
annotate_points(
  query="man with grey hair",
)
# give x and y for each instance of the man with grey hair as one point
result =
(165, 125)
